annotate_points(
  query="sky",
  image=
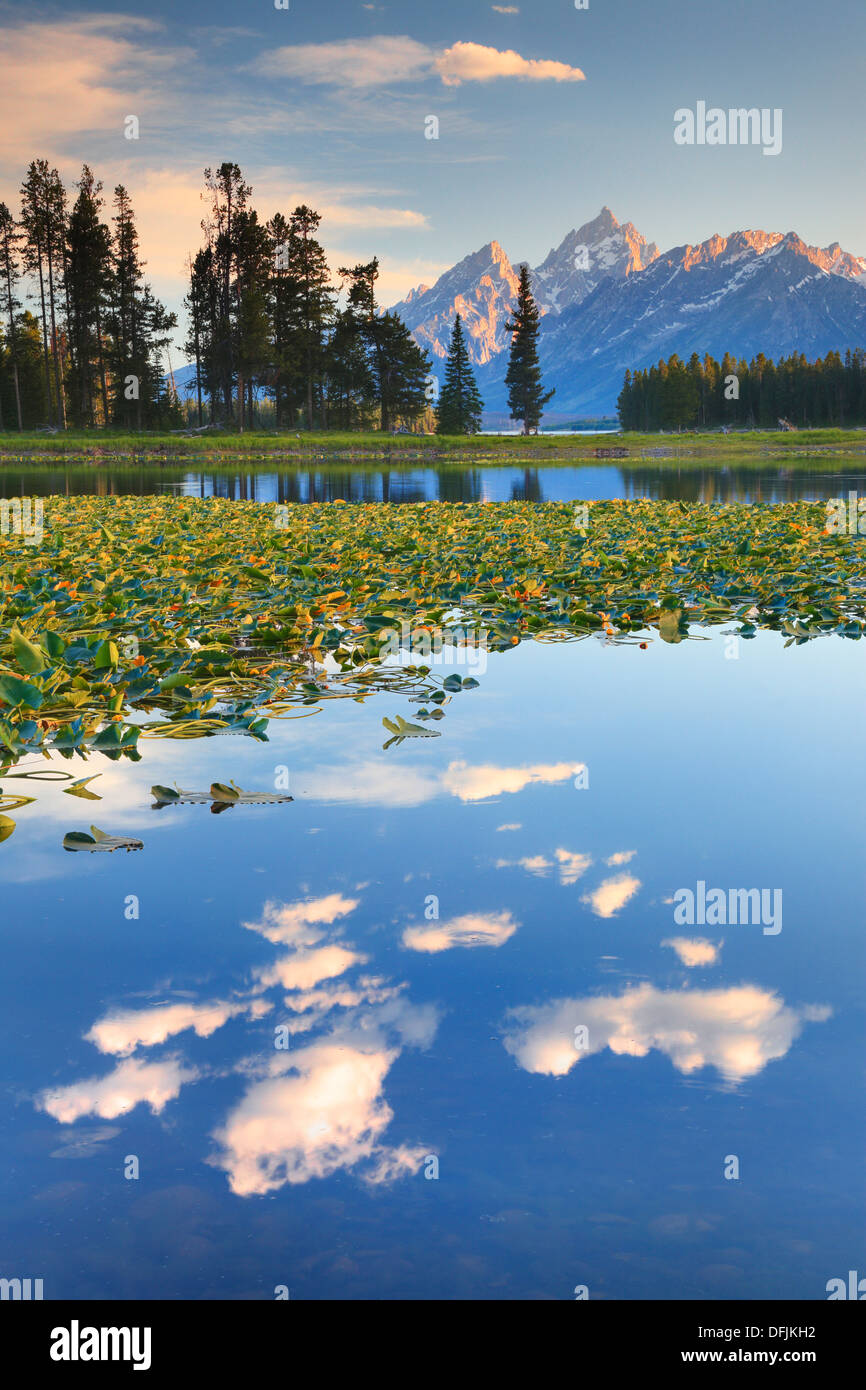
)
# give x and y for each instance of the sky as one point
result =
(545, 113)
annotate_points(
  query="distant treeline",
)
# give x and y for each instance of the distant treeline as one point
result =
(708, 394)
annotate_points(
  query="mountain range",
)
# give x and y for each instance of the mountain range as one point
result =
(609, 300)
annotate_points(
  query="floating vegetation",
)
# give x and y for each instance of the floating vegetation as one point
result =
(98, 842)
(220, 797)
(140, 617)
(401, 729)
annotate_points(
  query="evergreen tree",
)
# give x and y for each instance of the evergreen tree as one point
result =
(31, 376)
(284, 315)
(87, 281)
(9, 238)
(313, 300)
(526, 399)
(397, 366)
(460, 405)
(43, 217)
(139, 331)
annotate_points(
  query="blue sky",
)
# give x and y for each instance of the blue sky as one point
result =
(327, 102)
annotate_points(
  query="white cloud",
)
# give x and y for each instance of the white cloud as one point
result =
(533, 864)
(622, 856)
(611, 895)
(737, 1031)
(131, 1083)
(306, 969)
(572, 866)
(479, 782)
(122, 1032)
(388, 59)
(372, 62)
(298, 924)
(330, 1114)
(472, 929)
(694, 950)
(474, 62)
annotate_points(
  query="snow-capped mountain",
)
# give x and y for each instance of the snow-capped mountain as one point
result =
(598, 249)
(610, 301)
(482, 287)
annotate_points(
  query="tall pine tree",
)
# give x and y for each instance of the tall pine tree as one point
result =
(460, 405)
(526, 399)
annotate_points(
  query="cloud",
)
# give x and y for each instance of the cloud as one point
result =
(622, 856)
(505, 9)
(122, 1032)
(305, 1114)
(305, 969)
(737, 1031)
(72, 76)
(572, 866)
(694, 950)
(485, 780)
(533, 864)
(297, 924)
(510, 825)
(372, 784)
(611, 895)
(472, 929)
(388, 59)
(131, 1083)
(330, 1114)
(373, 62)
(474, 62)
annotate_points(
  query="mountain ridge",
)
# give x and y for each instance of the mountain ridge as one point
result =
(608, 300)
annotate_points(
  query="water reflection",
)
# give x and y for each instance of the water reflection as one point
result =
(737, 1031)
(307, 1111)
(713, 482)
(313, 1005)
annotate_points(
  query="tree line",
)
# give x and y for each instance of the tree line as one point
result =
(706, 394)
(91, 353)
(266, 319)
(82, 336)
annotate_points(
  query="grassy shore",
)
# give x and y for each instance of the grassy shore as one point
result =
(107, 447)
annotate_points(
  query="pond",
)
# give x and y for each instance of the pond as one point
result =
(813, 479)
(448, 1024)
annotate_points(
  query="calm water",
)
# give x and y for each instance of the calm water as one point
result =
(417, 1039)
(365, 483)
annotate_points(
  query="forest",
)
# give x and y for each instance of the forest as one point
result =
(705, 394)
(83, 338)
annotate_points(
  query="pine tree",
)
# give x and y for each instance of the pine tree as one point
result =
(31, 376)
(9, 238)
(314, 300)
(87, 280)
(43, 217)
(526, 399)
(460, 405)
(398, 368)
